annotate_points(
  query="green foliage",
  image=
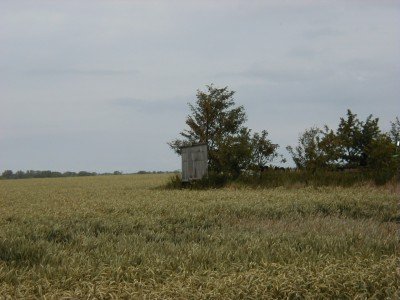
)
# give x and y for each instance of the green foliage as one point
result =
(355, 138)
(174, 182)
(309, 155)
(330, 147)
(394, 132)
(382, 161)
(216, 121)
(349, 133)
(234, 154)
(264, 152)
(355, 145)
(7, 174)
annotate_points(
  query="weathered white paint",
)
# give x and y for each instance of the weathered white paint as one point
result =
(194, 162)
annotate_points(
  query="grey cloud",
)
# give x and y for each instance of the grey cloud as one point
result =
(123, 69)
(303, 52)
(82, 71)
(282, 75)
(150, 106)
(372, 66)
(322, 32)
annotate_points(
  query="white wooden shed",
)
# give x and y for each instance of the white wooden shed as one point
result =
(194, 162)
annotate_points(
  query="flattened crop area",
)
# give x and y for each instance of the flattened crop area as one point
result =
(125, 237)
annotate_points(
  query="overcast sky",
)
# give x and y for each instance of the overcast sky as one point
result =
(103, 85)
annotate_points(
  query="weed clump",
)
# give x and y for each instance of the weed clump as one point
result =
(20, 251)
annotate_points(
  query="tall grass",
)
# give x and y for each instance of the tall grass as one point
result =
(122, 236)
(277, 178)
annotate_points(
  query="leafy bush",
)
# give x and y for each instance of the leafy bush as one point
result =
(174, 182)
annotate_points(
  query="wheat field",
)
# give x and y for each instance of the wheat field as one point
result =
(113, 237)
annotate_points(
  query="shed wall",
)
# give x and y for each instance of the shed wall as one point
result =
(194, 162)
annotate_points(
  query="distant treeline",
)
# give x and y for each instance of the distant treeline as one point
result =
(158, 172)
(9, 174)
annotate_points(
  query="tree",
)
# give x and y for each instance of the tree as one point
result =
(8, 174)
(370, 132)
(354, 145)
(354, 138)
(330, 148)
(308, 154)
(216, 121)
(394, 132)
(382, 162)
(234, 153)
(348, 133)
(263, 151)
